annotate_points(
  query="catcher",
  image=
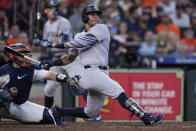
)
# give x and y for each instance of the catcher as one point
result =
(16, 79)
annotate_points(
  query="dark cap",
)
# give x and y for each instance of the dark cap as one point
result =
(189, 5)
(159, 8)
(179, 6)
(132, 9)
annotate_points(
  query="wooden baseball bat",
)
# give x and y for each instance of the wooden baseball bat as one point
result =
(15, 52)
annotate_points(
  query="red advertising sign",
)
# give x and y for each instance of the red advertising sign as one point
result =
(156, 92)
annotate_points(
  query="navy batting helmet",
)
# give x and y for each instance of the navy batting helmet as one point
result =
(16, 59)
(89, 9)
(51, 3)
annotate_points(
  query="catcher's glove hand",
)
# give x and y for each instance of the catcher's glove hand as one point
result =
(74, 88)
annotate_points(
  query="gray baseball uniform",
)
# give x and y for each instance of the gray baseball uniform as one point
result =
(52, 32)
(93, 48)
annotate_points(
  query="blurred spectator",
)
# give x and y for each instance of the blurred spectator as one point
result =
(14, 34)
(115, 20)
(148, 46)
(172, 42)
(143, 25)
(76, 19)
(74, 2)
(182, 50)
(4, 27)
(167, 25)
(113, 47)
(122, 35)
(157, 14)
(169, 7)
(189, 9)
(120, 54)
(6, 4)
(193, 23)
(137, 4)
(124, 4)
(180, 18)
(147, 10)
(162, 40)
(63, 8)
(151, 3)
(115, 5)
(135, 36)
(106, 14)
(132, 18)
(23, 38)
(184, 2)
(147, 49)
(101, 4)
(189, 39)
(3, 57)
(117, 52)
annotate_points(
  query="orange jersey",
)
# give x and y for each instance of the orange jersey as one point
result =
(170, 28)
(151, 3)
(191, 42)
(11, 41)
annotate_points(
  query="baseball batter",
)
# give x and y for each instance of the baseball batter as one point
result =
(56, 29)
(16, 79)
(93, 47)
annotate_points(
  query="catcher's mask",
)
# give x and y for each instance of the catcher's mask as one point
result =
(18, 60)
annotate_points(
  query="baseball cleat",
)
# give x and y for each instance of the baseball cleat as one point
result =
(97, 118)
(56, 116)
(149, 119)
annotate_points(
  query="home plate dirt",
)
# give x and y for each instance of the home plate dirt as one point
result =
(99, 126)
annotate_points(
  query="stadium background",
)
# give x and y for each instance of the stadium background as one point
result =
(139, 43)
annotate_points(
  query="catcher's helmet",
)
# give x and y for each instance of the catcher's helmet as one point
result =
(51, 3)
(16, 59)
(89, 9)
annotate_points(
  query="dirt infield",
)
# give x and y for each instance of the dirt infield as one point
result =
(100, 126)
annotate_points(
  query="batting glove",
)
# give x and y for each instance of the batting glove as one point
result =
(43, 43)
(36, 40)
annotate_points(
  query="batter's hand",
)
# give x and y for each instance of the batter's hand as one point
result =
(36, 40)
(74, 88)
(45, 64)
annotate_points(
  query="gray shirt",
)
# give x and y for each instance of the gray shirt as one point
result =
(93, 45)
(53, 30)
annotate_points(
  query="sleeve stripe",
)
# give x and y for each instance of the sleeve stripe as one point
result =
(76, 44)
(87, 39)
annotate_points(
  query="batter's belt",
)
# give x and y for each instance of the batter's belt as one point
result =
(100, 67)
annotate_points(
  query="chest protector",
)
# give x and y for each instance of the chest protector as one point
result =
(21, 78)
